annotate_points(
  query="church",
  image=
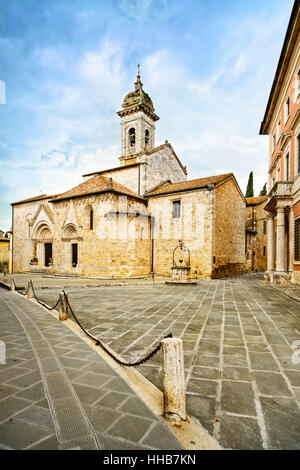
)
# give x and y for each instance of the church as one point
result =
(126, 221)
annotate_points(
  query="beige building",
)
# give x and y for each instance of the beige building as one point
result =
(256, 234)
(127, 220)
(282, 124)
(4, 251)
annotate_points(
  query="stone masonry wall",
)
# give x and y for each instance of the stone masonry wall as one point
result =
(228, 230)
(116, 246)
(258, 244)
(194, 227)
(160, 166)
(23, 214)
(128, 177)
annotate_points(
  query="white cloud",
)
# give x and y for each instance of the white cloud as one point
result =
(212, 121)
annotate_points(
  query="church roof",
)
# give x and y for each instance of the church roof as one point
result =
(97, 184)
(188, 185)
(33, 199)
(117, 168)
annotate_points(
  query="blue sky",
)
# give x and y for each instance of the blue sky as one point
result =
(208, 66)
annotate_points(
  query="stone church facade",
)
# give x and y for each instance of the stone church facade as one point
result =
(127, 220)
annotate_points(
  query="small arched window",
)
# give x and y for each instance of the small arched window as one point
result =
(147, 137)
(131, 136)
(91, 219)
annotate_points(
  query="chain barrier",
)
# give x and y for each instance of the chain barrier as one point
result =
(18, 289)
(99, 343)
(42, 303)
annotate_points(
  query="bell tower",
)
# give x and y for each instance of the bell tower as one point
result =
(137, 124)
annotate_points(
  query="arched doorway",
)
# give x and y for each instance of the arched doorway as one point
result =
(42, 245)
(70, 258)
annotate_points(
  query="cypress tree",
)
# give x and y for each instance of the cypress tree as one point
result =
(264, 190)
(250, 192)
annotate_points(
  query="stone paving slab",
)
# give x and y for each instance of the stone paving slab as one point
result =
(67, 398)
(238, 339)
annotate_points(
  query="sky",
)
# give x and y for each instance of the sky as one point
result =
(66, 65)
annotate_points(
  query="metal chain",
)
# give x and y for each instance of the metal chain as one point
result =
(99, 343)
(18, 289)
(42, 303)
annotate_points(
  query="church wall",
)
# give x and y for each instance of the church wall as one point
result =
(23, 218)
(194, 227)
(118, 244)
(160, 166)
(127, 177)
(228, 230)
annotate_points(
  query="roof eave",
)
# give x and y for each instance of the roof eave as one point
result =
(76, 196)
(206, 186)
(121, 167)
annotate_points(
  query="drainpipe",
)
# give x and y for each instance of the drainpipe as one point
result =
(152, 225)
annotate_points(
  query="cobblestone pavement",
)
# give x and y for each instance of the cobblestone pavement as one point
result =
(242, 375)
(57, 393)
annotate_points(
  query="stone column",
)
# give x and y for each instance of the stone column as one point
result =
(173, 380)
(280, 251)
(291, 239)
(270, 266)
(63, 307)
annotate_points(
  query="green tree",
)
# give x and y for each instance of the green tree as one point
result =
(250, 191)
(264, 190)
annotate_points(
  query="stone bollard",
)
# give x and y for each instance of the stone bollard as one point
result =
(173, 381)
(30, 294)
(63, 307)
(12, 286)
(5, 276)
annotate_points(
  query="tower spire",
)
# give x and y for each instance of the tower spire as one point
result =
(138, 84)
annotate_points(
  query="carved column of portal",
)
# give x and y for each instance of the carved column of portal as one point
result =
(271, 257)
(280, 251)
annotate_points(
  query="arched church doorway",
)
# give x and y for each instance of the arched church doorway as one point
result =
(70, 258)
(42, 245)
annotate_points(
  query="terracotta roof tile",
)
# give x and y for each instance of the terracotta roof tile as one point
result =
(188, 185)
(35, 198)
(255, 200)
(97, 184)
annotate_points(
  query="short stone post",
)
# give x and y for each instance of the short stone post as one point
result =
(30, 294)
(5, 276)
(173, 381)
(63, 307)
(13, 286)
